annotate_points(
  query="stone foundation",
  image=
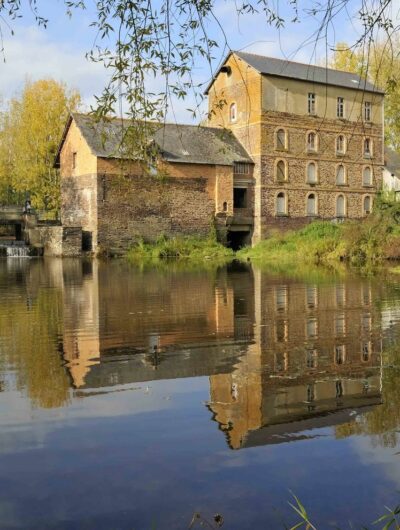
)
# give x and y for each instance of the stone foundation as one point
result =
(62, 241)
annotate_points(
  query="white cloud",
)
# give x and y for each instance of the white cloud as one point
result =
(30, 54)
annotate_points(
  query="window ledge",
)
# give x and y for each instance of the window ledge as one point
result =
(312, 151)
(281, 215)
(367, 157)
(345, 185)
(340, 154)
(369, 186)
(312, 184)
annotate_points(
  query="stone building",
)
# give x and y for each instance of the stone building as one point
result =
(314, 134)
(117, 203)
(287, 143)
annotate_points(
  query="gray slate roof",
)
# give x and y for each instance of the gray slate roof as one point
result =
(191, 144)
(306, 72)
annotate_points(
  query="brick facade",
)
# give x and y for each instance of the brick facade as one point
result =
(266, 104)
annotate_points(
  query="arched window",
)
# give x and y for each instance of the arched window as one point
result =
(367, 176)
(367, 148)
(311, 204)
(367, 205)
(340, 206)
(281, 171)
(281, 143)
(281, 207)
(232, 112)
(225, 206)
(340, 145)
(312, 173)
(312, 141)
(340, 175)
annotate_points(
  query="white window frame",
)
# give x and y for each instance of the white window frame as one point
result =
(367, 111)
(340, 113)
(311, 103)
(344, 175)
(279, 213)
(315, 213)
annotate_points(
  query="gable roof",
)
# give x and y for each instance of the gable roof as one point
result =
(191, 144)
(304, 72)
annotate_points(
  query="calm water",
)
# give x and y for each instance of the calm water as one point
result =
(130, 399)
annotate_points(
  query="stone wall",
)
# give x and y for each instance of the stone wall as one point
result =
(142, 207)
(57, 240)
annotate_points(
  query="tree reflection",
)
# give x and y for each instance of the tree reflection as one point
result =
(382, 423)
(31, 329)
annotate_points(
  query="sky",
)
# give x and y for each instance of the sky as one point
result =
(59, 50)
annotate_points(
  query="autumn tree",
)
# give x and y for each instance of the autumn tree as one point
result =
(137, 40)
(380, 63)
(31, 127)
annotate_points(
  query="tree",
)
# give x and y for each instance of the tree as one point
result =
(140, 39)
(30, 131)
(380, 62)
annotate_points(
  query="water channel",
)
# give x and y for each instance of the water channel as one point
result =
(135, 397)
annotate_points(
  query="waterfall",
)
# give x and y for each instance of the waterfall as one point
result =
(17, 251)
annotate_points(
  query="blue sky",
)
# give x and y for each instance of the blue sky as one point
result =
(59, 51)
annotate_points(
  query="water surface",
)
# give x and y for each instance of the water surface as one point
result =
(131, 398)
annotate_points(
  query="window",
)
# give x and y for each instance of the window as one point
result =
(340, 175)
(311, 358)
(340, 145)
(340, 354)
(281, 171)
(281, 208)
(241, 168)
(365, 351)
(232, 112)
(367, 148)
(367, 176)
(312, 173)
(311, 328)
(367, 205)
(340, 107)
(311, 141)
(340, 206)
(281, 330)
(311, 204)
(74, 158)
(340, 292)
(311, 296)
(281, 297)
(225, 207)
(240, 197)
(311, 103)
(367, 110)
(340, 325)
(281, 139)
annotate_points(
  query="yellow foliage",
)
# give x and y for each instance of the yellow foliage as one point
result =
(30, 131)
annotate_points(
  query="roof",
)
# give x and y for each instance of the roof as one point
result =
(305, 72)
(191, 144)
(392, 161)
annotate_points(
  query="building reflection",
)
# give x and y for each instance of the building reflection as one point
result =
(282, 356)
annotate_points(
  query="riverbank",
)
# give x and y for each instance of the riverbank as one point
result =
(370, 241)
(366, 242)
(182, 248)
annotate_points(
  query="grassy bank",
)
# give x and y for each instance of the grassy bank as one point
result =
(183, 248)
(369, 241)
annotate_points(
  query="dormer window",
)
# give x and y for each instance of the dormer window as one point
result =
(340, 107)
(311, 103)
(232, 112)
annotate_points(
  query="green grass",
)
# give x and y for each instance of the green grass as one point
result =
(182, 248)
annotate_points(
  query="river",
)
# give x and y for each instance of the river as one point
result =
(137, 397)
